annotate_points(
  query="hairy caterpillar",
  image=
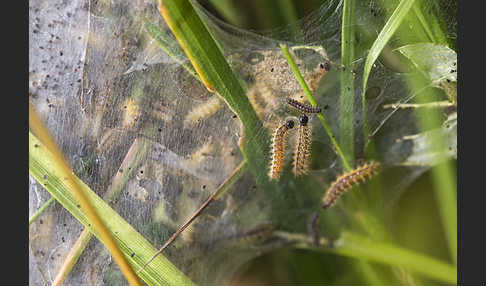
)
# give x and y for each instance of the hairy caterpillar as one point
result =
(132, 112)
(278, 149)
(302, 107)
(347, 180)
(255, 96)
(316, 75)
(204, 110)
(302, 149)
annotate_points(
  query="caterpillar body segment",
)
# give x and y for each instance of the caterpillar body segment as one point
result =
(302, 107)
(302, 150)
(203, 111)
(347, 181)
(278, 149)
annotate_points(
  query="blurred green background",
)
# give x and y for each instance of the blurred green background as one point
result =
(417, 227)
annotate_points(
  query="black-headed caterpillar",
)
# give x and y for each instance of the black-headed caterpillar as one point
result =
(348, 180)
(303, 148)
(278, 149)
(302, 107)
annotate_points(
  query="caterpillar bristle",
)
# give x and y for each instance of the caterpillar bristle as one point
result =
(278, 149)
(203, 111)
(303, 148)
(348, 180)
(302, 107)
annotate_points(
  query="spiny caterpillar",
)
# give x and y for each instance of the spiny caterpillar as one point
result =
(278, 149)
(302, 107)
(347, 180)
(302, 149)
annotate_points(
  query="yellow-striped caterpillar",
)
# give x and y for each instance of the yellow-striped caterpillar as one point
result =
(303, 148)
(302, 107)
(278, 149)
(348, 180)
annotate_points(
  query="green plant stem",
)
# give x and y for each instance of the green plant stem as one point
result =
(313, 102)
(362, 248)
(359, 247)
(356, 246)
(346, 99)
(41, 210)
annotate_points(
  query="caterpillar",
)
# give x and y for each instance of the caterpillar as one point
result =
(132, 112)
(255, 96)
(302, 107)
(202, 111)
(278, 149)
(348, 180)
(315, 76)
(302, 149)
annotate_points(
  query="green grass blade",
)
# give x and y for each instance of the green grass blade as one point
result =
(346, 100)
(430, 24)
(134, 157)
(356, 246)
(69, 179)
(229, 11)
(289, 15)
(43, 168)
(313, 102)
(445, 182)
(41, 210)
(207, 59)
(383, 37)
(369, 273)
